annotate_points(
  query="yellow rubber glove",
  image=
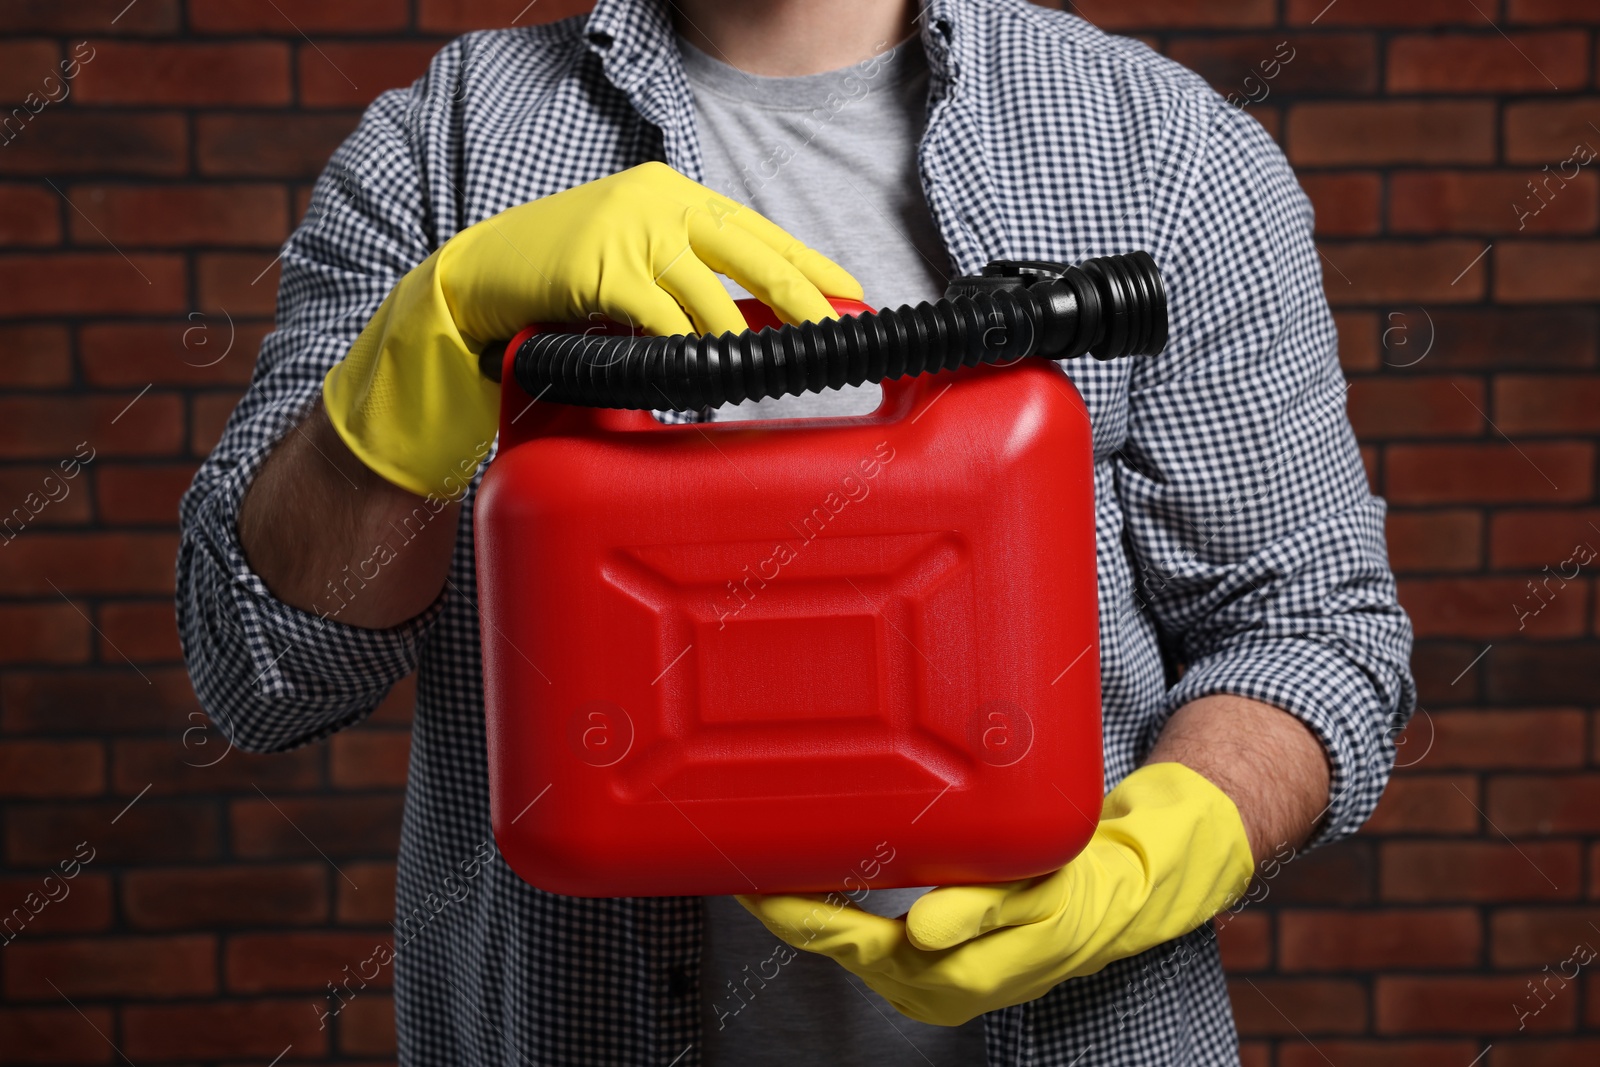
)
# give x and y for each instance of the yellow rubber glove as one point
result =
(1169, 853)
(642, 247)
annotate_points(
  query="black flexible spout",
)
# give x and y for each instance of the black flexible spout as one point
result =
(1108, 307)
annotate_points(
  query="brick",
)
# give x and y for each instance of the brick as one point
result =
(58, 1035)
(396, 708)
(1343, 134)
(241, 74)
(1530, 738)
(36, 355)
(1540, 132)
(1547, 404)
(1283, 1007)
(36, 496)
(370, 901)
(302, 200)
(1424, 541)
(174, 216)
(139, 633)
(198, 349)
(227, 897)
(1282, 63)
(1478, 1004)
(461, 16)
(24, 65)
(366, 1026)
(1346, 204)
(1378, 272)
(242, 283)
(46, 633)
(1416, 407)
(255, 1029)
(1546, 271)
(288, 18)
(269, 146)
(1270, 119)
(1426, 803)
(1381, 13)
(1487, 62)
(1525, 1053)
(1246, 941)
(1447, 671)
(1380, 1054)
(1358, 340)
(1549, 10)
(1389, 940)
(1544, 804)
(1521, 673)
(352, 75)
(150, 831)
(208, 414)
(1536, 938)
(136, 968)
(366, 758)
(1340, 874)
(285, 962)
(1493, 608)
(1493, 203)
(344, 826)
(1372, 464)
(90, 283)
(89, 563)
(66, 905)
(65, 141)
(94, 16)
(1488, 473)
(126, 494)
(1543, 538)
(52, 768)
(1408, 336)
(80, 702)
(171, 767)
(28, 216)
(1485, 337)
(1479, 871)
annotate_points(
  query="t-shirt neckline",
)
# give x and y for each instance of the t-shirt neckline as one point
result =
(800, 92)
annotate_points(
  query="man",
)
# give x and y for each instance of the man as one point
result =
(1253, 656)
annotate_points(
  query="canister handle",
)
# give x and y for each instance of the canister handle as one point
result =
(756, 314)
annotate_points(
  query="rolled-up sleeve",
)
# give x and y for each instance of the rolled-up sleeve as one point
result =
(1248, 507)
(269, 674)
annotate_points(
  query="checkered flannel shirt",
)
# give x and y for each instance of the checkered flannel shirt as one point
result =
(1236, 534)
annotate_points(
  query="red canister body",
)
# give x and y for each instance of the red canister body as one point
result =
(796, 655)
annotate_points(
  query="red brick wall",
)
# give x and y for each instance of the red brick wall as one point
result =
(140, 216)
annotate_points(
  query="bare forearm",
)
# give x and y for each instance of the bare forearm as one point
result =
(1268, 762)
(328, 536)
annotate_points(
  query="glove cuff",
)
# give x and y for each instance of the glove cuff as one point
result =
(1192, 835)
(408, 398)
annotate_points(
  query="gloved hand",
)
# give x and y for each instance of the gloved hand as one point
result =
(638, 247)
(1169, 853)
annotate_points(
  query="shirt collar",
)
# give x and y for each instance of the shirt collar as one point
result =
(634, 39)
(631, 37)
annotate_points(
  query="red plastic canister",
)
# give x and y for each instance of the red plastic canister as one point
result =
(794, 655)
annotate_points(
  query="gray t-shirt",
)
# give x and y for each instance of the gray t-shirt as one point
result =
(832, 158)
